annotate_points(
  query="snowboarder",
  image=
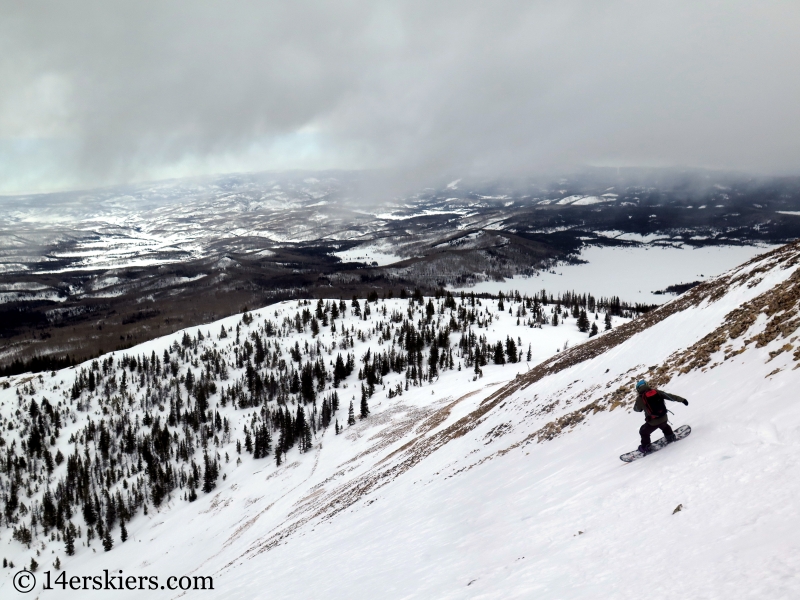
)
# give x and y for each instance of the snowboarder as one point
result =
(651, 401)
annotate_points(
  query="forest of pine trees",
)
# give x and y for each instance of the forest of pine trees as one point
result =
(146, 429)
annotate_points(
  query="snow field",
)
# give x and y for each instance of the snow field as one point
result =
(633, 273)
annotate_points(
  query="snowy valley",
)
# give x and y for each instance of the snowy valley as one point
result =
(423, 447)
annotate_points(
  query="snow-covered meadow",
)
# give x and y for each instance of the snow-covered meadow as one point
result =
(369, 254)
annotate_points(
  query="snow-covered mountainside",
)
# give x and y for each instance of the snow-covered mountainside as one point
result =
(461, 479)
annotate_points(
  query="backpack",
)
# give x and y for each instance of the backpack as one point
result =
(653, 404)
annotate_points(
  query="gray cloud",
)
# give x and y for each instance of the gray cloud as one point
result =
(99, 92)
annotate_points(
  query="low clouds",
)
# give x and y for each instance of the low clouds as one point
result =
(98, 92)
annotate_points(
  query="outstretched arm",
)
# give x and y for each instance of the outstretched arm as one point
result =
(675, 398)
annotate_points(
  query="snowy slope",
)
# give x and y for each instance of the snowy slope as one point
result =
(506, 486)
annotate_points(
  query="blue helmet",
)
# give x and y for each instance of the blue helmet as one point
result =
(641, 384)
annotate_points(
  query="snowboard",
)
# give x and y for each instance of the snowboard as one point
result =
(680, 433)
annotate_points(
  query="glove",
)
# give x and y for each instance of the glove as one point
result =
(686, 403)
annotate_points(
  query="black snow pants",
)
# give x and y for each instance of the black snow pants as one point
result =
(646, 430)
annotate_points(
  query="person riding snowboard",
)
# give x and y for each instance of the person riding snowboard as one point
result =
(651, 401)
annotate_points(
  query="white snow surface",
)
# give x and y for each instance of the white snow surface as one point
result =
(632, 273)
(581, 200)
(491, 513)
(589, 200)
(369, 254)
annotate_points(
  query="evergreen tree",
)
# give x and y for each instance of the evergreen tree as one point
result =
(260, 354)
(123, 532)
(529, 355)
(307, 383)
(189, 381)
(511, 349)
(307, 440)
(364, 407)
(350, 364)
(325, 417)
(111, 512)
(300, 426)
(430, 310)
(339, 371)
(608, 321)
(48, 511)
(351, 415)
(433, 361)
(593, 331)
(583, 322)
(69, 540)
(12, 502)
(209, 474)
(263, 441)
(499, 358)
(89, 514)
(294, 385)
(108, 543)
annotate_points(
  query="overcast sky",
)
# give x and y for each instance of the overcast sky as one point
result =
(93, 93)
